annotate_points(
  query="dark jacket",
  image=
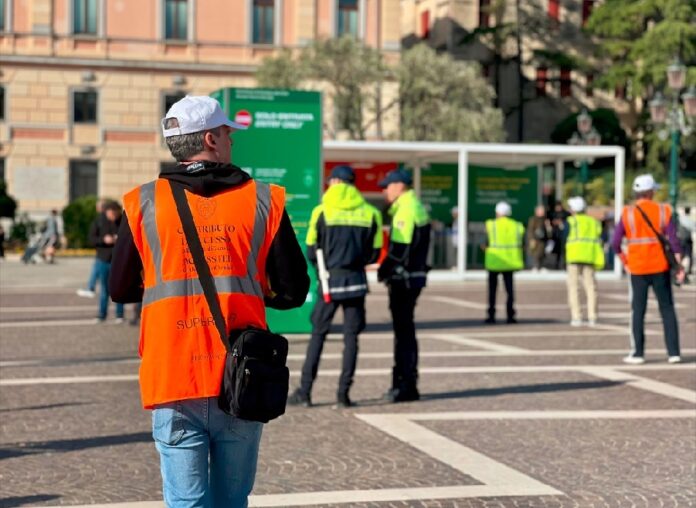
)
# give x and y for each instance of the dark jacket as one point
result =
(286, 267)
(98, 230)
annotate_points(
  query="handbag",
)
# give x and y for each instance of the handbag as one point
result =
(255, 380)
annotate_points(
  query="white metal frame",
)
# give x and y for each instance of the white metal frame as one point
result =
(416, 154)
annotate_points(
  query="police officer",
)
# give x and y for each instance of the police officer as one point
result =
(584, 255)
(503, 256)
(648, 266)
(344, 235)
(404, 271)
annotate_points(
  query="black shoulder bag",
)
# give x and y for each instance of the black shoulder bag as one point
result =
(255, 380)
(664, 242)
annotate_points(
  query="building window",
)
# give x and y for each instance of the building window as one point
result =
(589, 85)
(425, 24)
(347, 18)
(484, 13)
(2, 102)
(83, 179)
(85, 106)
(586, 10)
(3, 22)
(566, 90)
(85, 17)
(264, 19)
(541, 80)
(176, 19)
(2, 172)
(170, 98)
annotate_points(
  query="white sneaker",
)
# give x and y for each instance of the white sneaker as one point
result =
(674, 359)
(86, 293)
(634, 360)
(592, 322)
(119, 321)
(576, 322)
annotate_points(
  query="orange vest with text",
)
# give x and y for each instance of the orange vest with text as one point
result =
(180, 347)
(645, 254)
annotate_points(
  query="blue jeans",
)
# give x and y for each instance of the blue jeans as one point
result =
(103, 269)
(92, 282)
(207, 458)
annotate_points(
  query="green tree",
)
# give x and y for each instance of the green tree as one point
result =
(77, 219)
(352, 73)
(442, 99)
(281, 71)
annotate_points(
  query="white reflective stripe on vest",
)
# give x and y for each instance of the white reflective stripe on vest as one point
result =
(246, 284)
(632, 226)
(348, 289)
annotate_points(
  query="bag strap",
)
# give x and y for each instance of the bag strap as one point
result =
(202, 268)
(659, 235)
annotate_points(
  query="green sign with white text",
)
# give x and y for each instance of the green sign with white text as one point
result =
(282, 145)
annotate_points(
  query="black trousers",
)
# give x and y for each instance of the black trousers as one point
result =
(662, 286)
(493, 288)
(353, 324)
(402, 304)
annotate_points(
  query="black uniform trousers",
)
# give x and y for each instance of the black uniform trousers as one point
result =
(402, 304)
(493, 288)
(353, 324)
(662, 286)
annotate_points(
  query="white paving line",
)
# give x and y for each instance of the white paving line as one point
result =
(52, 323)
(551, 415)
(65, 308)
(642, 383)
(477, 343)
(624, 329)
(522, 369)
(458, 302)
(377, 356)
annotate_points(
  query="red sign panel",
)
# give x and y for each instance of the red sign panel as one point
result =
(367, 174)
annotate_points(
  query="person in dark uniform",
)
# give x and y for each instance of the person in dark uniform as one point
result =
(344, 235)
(404, 271)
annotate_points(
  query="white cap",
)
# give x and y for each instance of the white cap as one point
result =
(577, 204)
(503, 208)
(644, 183)
(196, 114)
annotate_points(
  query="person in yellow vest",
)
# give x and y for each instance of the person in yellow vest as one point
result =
(207, 457)
(647, 264)
(584, 255)
(503, 256)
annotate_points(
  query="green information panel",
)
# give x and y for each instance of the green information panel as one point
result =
(439, 191)
(283, 146)
(488, 186)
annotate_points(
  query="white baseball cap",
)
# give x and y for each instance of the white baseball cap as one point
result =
(644, 183)
(503, 208)
(577, 204)
(196, 114)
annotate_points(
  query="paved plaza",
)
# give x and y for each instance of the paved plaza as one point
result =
(537, 414)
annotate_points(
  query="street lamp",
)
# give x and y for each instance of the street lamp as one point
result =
(586, 135)
(674, 120)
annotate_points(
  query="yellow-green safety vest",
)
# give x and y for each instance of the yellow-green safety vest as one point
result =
(504, 250)
(584, 243)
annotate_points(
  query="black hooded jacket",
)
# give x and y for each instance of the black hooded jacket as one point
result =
(286, 267)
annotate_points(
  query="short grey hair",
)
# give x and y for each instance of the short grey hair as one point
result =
(185, 146)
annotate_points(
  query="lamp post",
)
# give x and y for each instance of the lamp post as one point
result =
(675, 121)
(585, 135)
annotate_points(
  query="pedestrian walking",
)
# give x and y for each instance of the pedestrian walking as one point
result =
(584, 255)
(207, 457)
(404, 271)
(103, 236)
(51, 237)
(685, 233)
(559, 215)
(537, 236)
(503, 256)
(344, 235)
(642, 223)
(89, 292)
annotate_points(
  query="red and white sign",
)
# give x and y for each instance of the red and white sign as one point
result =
(243, 117)
(367, 174)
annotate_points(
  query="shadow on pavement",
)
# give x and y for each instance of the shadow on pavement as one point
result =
(71, 445)
(45, 406)
(10, 502)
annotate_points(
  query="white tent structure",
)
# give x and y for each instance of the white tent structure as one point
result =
(509, 156)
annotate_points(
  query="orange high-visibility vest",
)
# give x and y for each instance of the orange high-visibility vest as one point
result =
(181, 350)
(645, 254)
